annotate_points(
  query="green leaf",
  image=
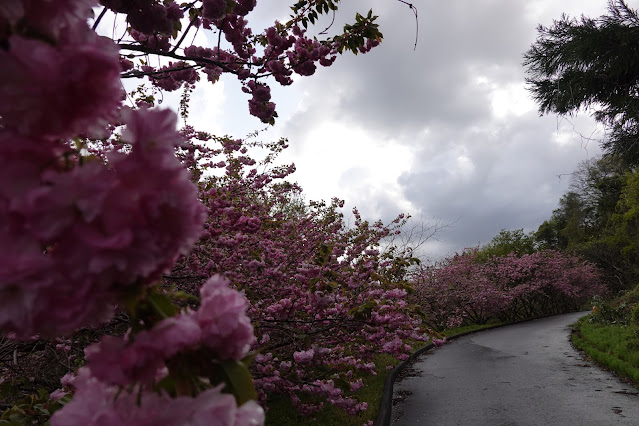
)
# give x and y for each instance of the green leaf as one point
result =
(240, 381)
(131, 299)
(185, 296)
(162, 305)
(299, 5)
(43, 395)
(248, 359)
(168, 384)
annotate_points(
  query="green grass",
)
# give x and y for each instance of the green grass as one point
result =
(612, 345)
(469, 328)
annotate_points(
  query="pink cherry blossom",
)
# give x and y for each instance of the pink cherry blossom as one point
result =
(214, 9)
(47, 16)
(62, 90)
(172, 335)
(222, 317)
(114, 361)
(465, 290)
(302, 357)
(142, 229)
(439, 342)
(122, 361)
(97, 403)
(101, 232)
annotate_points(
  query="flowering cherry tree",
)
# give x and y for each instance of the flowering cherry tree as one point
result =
(95, 208)
(465, 290)
(324, 299)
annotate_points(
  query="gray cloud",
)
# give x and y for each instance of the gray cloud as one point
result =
(483, 172)
(394, 89)
(504, 178)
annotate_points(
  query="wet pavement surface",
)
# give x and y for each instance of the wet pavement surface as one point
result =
(524, 374)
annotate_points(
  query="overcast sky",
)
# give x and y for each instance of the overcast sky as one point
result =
(445, 132)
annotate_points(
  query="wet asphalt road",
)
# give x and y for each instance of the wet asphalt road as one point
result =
(524, 374)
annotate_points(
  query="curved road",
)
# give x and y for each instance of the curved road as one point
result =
(524, 374)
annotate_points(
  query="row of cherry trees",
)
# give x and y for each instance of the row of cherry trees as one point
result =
(99, 218)
(323, 298)
(467, 289)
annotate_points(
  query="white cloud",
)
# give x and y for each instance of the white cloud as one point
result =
(511, 100)
(344, 160)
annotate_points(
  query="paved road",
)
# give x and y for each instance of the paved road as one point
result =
(524, 374)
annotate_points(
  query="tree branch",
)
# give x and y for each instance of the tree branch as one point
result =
(99, 18)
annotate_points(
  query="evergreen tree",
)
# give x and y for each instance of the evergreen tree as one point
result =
(592, 63)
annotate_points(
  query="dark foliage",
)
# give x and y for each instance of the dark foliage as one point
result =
(592, 63)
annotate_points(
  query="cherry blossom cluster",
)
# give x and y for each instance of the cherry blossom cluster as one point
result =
(66, 244)
(76, 237)
(148, 16)
(161, 28)
(219, 325)
(464, 290)
(55, 90)
(96, 402)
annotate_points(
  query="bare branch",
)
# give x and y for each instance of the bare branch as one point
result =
(414, 9)
(99, 18)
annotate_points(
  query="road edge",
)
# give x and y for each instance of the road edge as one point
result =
(386, 404)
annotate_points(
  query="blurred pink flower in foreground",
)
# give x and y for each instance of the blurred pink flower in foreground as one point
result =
(101, 233)
(96, 403)
(60, 91)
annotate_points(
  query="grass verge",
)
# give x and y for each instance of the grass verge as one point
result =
(469, 328)
(614, 346)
